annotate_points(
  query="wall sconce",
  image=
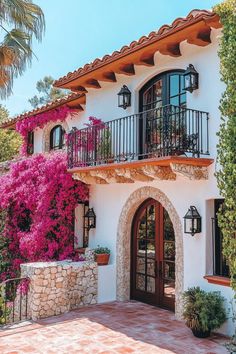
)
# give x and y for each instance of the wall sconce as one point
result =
(190, 79)
(192, 221)
(124, 97)
(91, 219)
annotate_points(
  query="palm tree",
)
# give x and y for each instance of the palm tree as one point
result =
(20, 21)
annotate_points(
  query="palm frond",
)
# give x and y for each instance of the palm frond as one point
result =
(19, 45)
(24, 15)
(27, 20)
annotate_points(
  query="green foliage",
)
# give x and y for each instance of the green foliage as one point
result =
(20, 21)
(203, 311)
(10, 141)
(47, 92)
(4, 311)
(231, 345)
(4, 244)
(101, 250)
(105, 145)
(226, 177)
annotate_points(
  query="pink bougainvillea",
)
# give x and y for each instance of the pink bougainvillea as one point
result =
(39, 197)
(40, 120)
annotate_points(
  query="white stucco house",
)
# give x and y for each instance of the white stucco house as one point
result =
(151, 158)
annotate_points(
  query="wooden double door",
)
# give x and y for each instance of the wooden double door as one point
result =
(153, 256)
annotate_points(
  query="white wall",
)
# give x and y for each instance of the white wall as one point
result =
(108, 200)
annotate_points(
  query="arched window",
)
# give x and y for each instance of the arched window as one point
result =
(163, 89)
(57, 137)
(163, 123)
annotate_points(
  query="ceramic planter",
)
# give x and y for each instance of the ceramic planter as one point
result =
(102, 259)
(201, 334)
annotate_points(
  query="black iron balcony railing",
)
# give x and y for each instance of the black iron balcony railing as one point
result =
(164, 131)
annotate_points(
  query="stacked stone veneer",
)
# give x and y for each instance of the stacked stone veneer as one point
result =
(58, 287)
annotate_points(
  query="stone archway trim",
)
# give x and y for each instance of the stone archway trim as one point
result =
(124, 243)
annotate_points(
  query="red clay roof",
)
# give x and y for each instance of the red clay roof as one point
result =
(51, 105)
(165, 30)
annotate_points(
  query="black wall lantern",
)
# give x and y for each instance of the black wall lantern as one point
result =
(124, 97)
(91, 219)
(192, 221)
(190, 79)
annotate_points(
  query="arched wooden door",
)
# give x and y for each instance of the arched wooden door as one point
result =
(153, 256)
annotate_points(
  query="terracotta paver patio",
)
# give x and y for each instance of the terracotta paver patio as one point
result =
(117, 327)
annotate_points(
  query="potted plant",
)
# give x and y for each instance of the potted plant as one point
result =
(104, 150)
(203, 311)
(102, 255)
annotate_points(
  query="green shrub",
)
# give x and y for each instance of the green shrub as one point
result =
(102, 250)
(203, 311)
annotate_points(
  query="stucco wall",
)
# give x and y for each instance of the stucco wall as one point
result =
(108, 200)
(102, 103)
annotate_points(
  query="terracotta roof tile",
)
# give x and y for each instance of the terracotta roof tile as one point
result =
(46, 107)
(193, 16)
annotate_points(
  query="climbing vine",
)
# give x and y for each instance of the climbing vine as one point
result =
(30, 123)
(226, 176)
(37, 202)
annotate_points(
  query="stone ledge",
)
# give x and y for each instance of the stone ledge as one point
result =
(58, 287)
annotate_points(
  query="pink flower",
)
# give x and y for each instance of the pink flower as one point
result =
(40, 198)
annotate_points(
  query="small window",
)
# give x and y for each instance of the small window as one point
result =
(221, 267)
(30, 143)
(57, 136)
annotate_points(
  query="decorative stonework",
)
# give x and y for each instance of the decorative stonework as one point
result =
(88, 178)
(190, 172)
(46, 133)
(159, 173)
(146, 173)
(124, 243)
(58, 287)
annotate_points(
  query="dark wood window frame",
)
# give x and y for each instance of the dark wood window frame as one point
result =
(220, 274)
(30, 143)
(57, 145)
(166, 95)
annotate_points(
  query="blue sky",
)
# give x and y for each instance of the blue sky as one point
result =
(79, 31)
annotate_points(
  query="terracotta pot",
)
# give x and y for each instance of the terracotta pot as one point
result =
(201, 334)
(110, 160)
(102, 259)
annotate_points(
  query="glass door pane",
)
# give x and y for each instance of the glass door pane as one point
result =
(168, 271)
(146, 250)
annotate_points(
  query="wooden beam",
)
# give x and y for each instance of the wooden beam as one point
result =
(126, 69)
(213, 22)
(92, 83)
(201, 38)
(79, 89)
(171, 49)
(76, 106)
(108, 76)
(146, 59)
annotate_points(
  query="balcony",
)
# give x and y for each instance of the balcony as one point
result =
(161, 137)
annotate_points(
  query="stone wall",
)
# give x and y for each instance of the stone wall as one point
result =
(58, 287)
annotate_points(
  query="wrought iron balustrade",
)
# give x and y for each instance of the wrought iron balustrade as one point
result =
(164, 131)
(14, 302)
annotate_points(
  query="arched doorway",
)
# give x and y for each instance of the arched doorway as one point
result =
(153, 256)
(124, 232)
